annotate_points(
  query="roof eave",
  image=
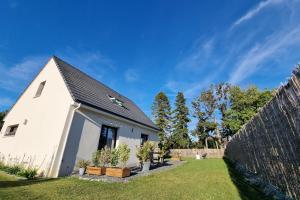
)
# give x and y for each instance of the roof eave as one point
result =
(115, 114)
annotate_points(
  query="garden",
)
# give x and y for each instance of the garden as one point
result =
(194, 179)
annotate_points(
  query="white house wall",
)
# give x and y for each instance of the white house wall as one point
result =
(89, 125)
(35, 142)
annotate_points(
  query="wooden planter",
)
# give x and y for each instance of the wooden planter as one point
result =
(176, 158)
(117, 172)
(95, 170)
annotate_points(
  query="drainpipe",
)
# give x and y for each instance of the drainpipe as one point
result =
(55, 168)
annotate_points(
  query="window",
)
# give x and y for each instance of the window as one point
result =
(108, 137)
(11, 130)
(144, 138)
(40, 89)
(117, 101)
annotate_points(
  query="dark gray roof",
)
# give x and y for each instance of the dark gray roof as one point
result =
(88, 91)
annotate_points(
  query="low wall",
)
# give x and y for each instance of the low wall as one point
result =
(211, 153)
(269, 144)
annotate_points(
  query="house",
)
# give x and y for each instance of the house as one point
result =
(64, 115)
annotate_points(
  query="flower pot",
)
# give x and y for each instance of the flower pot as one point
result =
(95, 170)
(146, 166)
(81, 171)
(198, 157)
(117, 172)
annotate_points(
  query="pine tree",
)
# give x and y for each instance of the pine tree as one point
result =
(180, 136)
(161, 111)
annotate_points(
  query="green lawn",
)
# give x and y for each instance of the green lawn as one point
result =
(196, 179)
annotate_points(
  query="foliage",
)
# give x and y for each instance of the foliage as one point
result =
(15, 169)
(29, 173)
(114, 159)
(210, 179)
(2, 115)
(161, 111)
(180, 135)
(96, 158)
(204, 110)
(243, 106)
(83, 163)
(105, 156)
(145, 152)
(233, 105)
(124, 153)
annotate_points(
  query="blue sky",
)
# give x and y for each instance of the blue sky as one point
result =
(142, 47)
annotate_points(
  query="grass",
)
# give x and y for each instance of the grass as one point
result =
(197, 179)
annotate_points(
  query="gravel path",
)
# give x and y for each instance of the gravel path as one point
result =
(135, 172)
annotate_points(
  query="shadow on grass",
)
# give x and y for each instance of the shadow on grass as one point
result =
(23, 182)
(246, 191)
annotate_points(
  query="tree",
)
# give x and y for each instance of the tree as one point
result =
(223, 103)
(180, 135)
(161, 111)
(204, 110)
(244, 104)
(2, 115)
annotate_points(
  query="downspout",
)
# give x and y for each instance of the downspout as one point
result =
(55, 168)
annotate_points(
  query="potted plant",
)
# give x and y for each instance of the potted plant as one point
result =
(96, 169)
(82, 164)
(144, 154)
(176, 156)
(119, 155)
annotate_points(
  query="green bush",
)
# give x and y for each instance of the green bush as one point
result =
(96, 158)
(124, 153)
(114, 160)
(105, 156)
(144, 153)
(29, 173)
(15, 169)
(83, 163)
(2, 166)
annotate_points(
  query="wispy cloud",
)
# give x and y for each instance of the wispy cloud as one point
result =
(14, 78)
(253, 12)
(195, 58)
(251, 61)
(5, 102)
(91, 62)
(131, 75)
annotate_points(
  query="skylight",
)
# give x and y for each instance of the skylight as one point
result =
(117, 101)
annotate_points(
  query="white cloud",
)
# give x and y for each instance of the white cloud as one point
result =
(15, 77)
(131, 75)
(251, 61)
(253, 12)
(199, 53)
(94, 63)
(5, 102)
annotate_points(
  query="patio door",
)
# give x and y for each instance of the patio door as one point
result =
(108, 137)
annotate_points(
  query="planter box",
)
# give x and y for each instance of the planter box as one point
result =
(176, 158)
(117, 172)
(95, 171)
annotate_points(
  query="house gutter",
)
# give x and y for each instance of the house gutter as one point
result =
(55, 168)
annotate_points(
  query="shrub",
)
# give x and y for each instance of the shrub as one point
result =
(2, 166)
(29, 173)
(15, 169)
(96, 158)
(83, 163)
(105, 156)
(114, 160)
(124, 153)
(144, 153)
